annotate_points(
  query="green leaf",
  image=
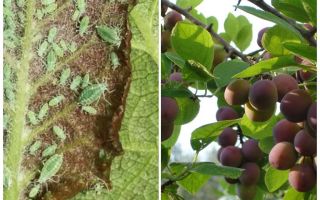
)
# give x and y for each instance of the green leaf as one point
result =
(204, 135)
(165, 157)
(210, 168)
(176, 59)
(274, 38)
(194, 182)
(244, 37)
(226, 70)
(292, 194)
(194, 71)
(231, 26)
(267, 66)
(310, 7)
(269, 17)
(188, 110)
(173, 138)
(165, 67)
(257, 130)
(215, 24)
(193, 42)
(303, 50)
(266, 144)
(291, 8)
(198, 15)
(176, 92)
(274, 178)
(188, 3)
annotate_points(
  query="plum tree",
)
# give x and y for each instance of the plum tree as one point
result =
(285, 131)
(258, 115)
(219, 55)
(284, 84)
(305, 144)
(302, 177)
(251, 174)
(260, 35)
(246, 192)
(171, 19)
(263, 95)
(164, 9)
(231, 156)
(228, 137)
(237, 92)
(251, 151)
(176, 77)
(312, 117)
(282, 156)
(169, 109)
(166, 129)
(295, 104)
(165, 41)
(226, 113)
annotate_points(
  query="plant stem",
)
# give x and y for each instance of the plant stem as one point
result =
(240, 134)
(15, 147)
(308, 35)
(226, 45)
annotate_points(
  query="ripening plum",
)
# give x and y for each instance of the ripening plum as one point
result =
(226, 113)
(228, 137)
(295, 104)
(260, 35)
(302, 177)
(219, 153)
(251, 151)
(266, 56)
(231, 156)
(312, 117)
(305, 75)
(171, 19)
(237, 92)
(284, 84)
(176, 77)
(219, 55)
(231, 180)
(285, 131)
(165, 41)
(258, 115)
(251, 174)
(166, 130)
(305, 144)
(246, 192)
(263, 95)
(282, 156)
(169, 108)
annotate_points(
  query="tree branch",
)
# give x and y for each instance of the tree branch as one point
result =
(306, 34)
(226, 45)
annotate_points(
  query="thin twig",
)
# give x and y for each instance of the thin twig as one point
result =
(240, 134)
(255, 52)
(306, 34)
(226, 45)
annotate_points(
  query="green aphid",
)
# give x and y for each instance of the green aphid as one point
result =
(92, 93)
(39, 14)
(51, 61)
(65, 74)
(20, 3)
(32, 118)
(49, 151)
(59, 132)
(43, 111)
(57, 49)
(72, 47)
(50, 167)
(84, 24)
(56, 100)
(89, 109)
(47, 2)
(43, 48)
(50, 8)
(85, 81)
(52, 34)
(114, 60)
(75, 15)
(81, 5)
(35, 147)
(34, 191)
(75, 83)
(63, 45)
(109, 34)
